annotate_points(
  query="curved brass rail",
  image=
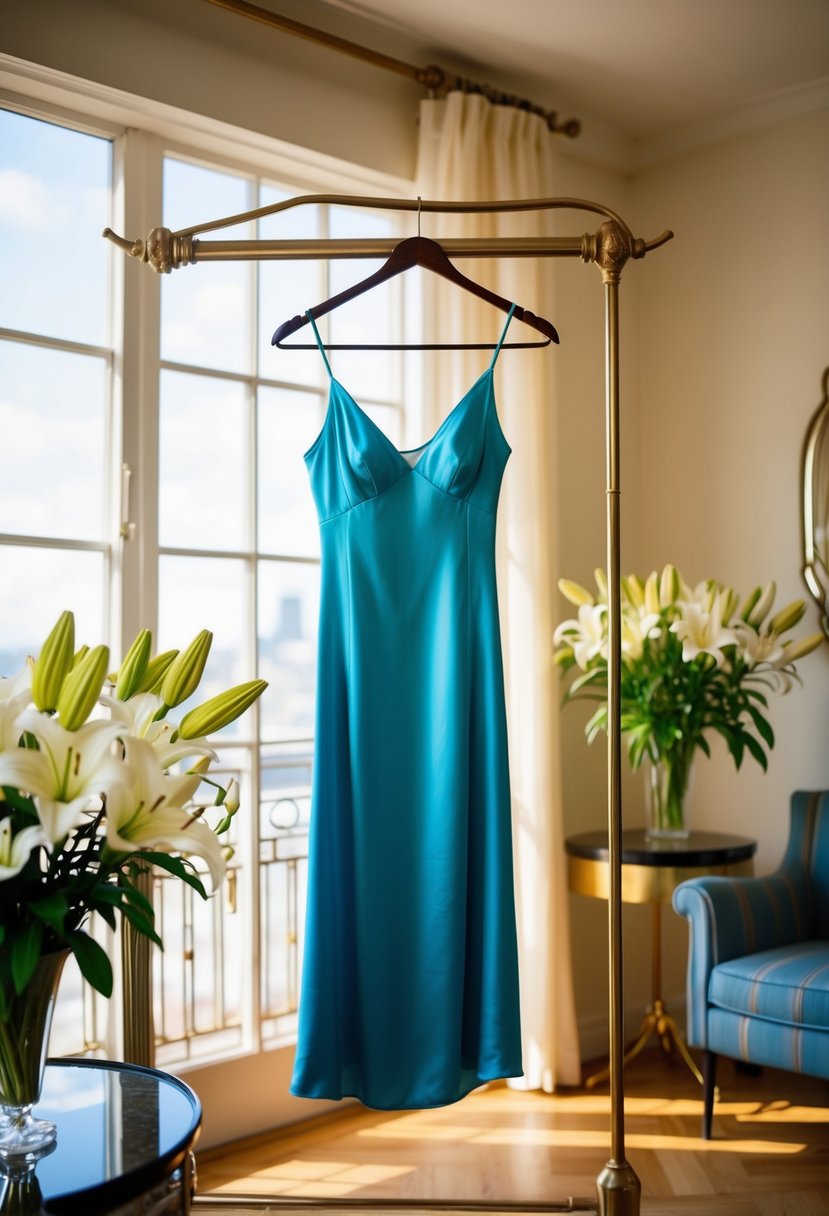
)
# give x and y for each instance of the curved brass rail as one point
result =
(166, 250)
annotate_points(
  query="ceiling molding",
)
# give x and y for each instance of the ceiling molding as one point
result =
(741, 120)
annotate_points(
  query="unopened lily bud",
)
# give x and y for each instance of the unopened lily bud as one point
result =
(79, 655)
(229, 853)
(763, 605)
(54, 663)
(601, 582)
(182, 679)
(220, 710)
(574, 592)
(787, 617)
(231, 802)
(750, 603)
(796, 650)
(201, 766)
(82, 688)
(652, 593)
(134, 666)
(157, 669)
(730, 601)
(668, 586)
(635, 590)
(222, 826)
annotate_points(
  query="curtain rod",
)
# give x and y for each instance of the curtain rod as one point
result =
(435, 78)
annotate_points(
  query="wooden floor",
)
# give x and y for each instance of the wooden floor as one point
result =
(769, 1157)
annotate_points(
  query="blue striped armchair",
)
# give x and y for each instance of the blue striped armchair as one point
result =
(758, 962)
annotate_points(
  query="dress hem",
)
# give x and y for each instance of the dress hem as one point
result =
(338, 1097)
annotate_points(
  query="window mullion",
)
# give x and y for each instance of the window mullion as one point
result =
(140, 191)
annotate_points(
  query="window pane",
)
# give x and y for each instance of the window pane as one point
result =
(203, 470)
(37, 585)
(288, 615)
(286, 289)
(206, 311)
(54, 204)
(370, 318)
(196, 593)
(53, 417)
(288, 423)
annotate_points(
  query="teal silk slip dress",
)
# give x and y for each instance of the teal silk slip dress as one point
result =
(410, 976)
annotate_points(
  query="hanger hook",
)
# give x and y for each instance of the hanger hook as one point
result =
(419, 209)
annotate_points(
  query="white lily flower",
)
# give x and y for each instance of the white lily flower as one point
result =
(15, 695)
(149, 811)
(138, 716)
(71, 767)
(758, 647)
(15, 851)
(592, 634)
(703, 632)
(586, 636)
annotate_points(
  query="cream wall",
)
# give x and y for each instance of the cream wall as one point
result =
(725, 338)
(724, 341)
(198, 57)
(732, 339)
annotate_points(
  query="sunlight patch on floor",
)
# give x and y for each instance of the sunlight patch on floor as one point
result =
(327, 1179)
(785, 1112)
(551, 1137)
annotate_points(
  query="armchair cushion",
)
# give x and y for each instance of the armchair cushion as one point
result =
(785, 985)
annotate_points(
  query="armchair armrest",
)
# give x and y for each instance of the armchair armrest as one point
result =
(730, 917)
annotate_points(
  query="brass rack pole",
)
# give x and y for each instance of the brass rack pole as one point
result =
(618, 1187)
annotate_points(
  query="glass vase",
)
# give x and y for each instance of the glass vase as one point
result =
(24, 1037)
(667, 784)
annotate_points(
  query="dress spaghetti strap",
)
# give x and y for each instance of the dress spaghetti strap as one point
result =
(322, 348)
(497, 350)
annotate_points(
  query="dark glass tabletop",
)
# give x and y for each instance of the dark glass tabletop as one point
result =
(121, 1131)
(697, 849)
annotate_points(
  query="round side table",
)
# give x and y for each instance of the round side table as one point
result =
(124, 1143)
(650, 871)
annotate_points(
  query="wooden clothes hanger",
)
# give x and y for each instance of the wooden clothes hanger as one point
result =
(417, 251)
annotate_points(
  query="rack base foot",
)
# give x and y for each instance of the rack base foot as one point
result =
(618, 1190)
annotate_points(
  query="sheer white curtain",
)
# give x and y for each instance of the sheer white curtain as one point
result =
(471, 149)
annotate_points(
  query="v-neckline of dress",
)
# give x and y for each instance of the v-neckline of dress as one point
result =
(400, 453)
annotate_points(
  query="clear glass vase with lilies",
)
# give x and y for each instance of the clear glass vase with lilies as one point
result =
(97, 785)
(695, 661)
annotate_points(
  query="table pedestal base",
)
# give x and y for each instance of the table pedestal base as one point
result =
(659, 1022)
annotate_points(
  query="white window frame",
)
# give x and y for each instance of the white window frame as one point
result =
(143, 132)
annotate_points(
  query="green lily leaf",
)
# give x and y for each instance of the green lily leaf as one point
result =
(51, 910)
(25, 952)
(92, 960)
(179, 866)
(757, 751)
(764, 729)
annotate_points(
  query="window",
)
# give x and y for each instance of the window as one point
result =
(225, 529)
(57, 420)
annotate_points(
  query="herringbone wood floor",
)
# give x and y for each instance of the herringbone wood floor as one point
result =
(769, 1157)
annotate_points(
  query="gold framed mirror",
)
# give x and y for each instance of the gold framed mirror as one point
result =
(815, 487)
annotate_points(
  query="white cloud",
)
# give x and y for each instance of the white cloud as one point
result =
(24, 200)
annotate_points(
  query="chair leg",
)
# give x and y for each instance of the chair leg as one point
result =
(709, 1081)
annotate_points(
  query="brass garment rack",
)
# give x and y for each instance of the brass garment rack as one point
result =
(609, 248)
(437, 80)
